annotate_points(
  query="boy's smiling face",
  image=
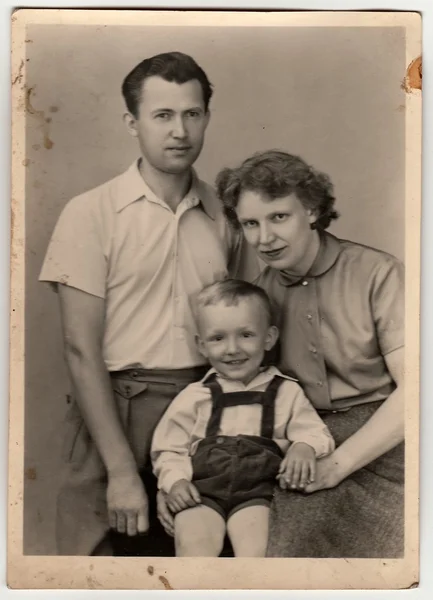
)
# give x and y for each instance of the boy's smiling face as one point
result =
(234, 338)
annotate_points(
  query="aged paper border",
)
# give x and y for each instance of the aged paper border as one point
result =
(30, 572)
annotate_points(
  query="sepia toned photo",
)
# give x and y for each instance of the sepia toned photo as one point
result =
(215, 300)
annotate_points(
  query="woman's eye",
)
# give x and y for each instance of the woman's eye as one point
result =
(249, 224)
(280, 217)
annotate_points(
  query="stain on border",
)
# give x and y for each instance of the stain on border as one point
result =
(413, 79)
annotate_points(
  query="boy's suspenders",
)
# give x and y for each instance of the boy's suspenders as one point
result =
(221, 400)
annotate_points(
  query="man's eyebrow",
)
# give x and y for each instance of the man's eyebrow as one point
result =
(157, 110)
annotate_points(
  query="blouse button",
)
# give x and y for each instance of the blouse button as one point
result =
(320, 383)
(309, 317)
(313, 350)
(305, 282)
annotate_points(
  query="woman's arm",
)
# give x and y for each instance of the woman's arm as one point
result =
(382, 432)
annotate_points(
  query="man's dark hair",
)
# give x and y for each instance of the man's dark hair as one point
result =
(171, 66)
(277, 174)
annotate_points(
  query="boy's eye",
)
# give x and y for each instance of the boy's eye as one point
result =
(248, 334)
(216, 338)
(162, 116)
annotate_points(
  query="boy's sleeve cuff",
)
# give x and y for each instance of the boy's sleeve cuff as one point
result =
(168, 480)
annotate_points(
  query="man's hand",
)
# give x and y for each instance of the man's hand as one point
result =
(183, 494)
(127, 504)
(164, 515)
(298, 468)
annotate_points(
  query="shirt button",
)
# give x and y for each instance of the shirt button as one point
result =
(320, 383)
(313, 350)
(305, 282)
(220, 440)
(309, 317)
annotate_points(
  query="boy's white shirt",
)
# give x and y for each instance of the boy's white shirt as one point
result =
(184, 423)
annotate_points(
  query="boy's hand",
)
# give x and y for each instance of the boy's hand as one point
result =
(183, 494)
(298, 468)
(127, 504)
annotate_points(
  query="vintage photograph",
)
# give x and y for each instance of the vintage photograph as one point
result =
(215, 290)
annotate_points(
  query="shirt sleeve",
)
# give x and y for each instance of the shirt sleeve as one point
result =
(171, 441)
(387, 302)
(243, 261)
(75, 254)
(306, 426)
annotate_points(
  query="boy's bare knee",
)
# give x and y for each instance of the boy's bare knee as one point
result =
(203, 536)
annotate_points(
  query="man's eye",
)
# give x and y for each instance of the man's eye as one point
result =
(280, 217)
(193, 113)
(162, 116)
(249, 224)
(248, 334)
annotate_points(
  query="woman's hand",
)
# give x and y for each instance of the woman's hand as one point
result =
(329, 473)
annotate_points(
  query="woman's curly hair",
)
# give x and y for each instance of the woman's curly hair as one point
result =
(278, 174)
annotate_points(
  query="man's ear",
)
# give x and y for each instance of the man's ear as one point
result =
(271, 337)
(131, 124)
(200, 345)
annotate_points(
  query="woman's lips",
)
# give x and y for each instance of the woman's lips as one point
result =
(273, 253)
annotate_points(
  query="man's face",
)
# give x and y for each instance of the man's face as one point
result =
(171, 124)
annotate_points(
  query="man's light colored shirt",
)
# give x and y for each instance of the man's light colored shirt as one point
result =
(122, 243)
(184, 423)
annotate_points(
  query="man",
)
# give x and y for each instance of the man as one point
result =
(125, 258)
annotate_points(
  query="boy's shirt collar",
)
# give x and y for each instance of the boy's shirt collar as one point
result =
(264, 377)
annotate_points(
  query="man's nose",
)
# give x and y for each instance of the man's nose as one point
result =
(179, 129)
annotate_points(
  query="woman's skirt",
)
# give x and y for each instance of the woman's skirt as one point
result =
(363, 517)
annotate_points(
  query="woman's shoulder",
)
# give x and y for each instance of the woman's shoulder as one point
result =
(367, 257)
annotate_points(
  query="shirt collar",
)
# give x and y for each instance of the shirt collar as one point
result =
(326, 257)
(133, 188)
(264, 377)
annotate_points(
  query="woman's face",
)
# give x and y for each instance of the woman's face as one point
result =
(279, 229)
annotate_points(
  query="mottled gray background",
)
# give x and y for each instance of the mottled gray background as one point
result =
(331, 95)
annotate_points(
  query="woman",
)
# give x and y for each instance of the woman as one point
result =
(341, 308)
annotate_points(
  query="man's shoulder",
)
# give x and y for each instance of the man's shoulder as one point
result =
(98, 199)
(209, 198)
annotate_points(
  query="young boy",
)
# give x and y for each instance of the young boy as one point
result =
(222, 442)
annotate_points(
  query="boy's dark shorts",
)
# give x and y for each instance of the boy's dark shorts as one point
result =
(233, 472)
